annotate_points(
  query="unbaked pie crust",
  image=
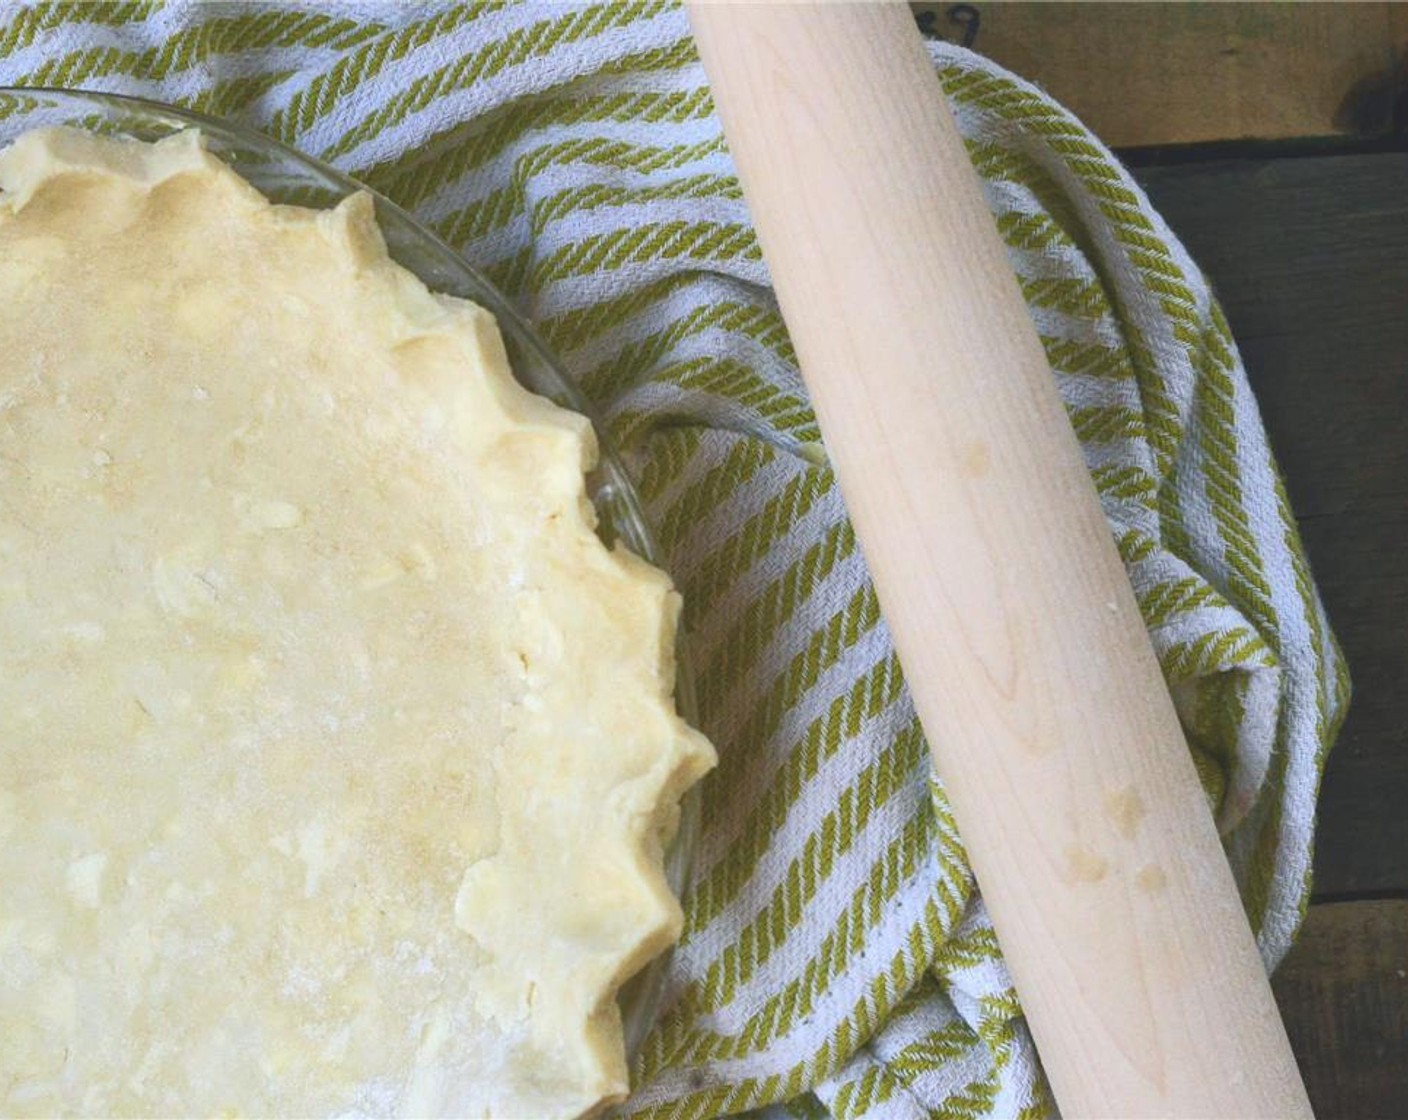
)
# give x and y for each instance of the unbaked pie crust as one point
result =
(337, 753)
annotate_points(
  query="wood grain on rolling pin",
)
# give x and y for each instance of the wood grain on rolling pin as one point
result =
(1020, 637)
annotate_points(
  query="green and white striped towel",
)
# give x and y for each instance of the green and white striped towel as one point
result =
(836, 958)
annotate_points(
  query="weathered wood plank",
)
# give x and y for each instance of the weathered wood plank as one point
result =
(1310, 259)
(1343, 993)
(1150, 74)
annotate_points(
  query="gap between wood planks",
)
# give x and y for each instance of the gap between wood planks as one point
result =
(1177, 73)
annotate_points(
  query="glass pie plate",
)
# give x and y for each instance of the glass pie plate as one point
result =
(287, 176)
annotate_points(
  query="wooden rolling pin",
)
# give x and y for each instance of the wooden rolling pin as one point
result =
(1051, 726)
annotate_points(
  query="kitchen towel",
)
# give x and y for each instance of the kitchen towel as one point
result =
(836, 957)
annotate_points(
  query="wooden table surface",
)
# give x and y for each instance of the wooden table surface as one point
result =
(1295, 203)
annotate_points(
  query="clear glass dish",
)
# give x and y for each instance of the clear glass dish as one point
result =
(286, 175)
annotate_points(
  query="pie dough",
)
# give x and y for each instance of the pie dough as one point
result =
(337, 753)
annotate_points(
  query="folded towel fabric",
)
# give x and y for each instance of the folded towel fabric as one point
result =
(836, 958)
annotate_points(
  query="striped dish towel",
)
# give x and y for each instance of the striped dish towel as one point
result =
(836, 958)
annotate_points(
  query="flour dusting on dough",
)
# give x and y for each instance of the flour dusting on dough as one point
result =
(339, 752)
